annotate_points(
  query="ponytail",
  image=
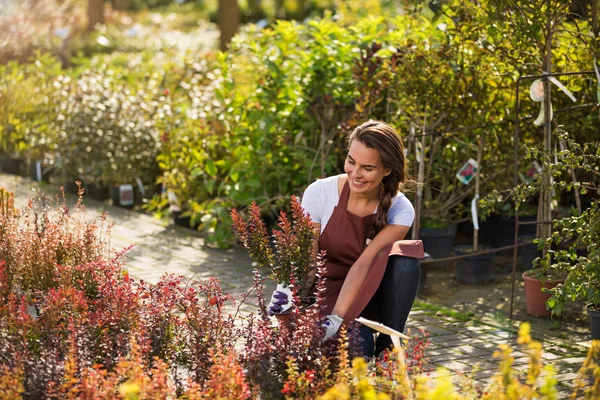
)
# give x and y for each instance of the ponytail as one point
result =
(387, 191)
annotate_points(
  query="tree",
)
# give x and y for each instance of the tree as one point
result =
(229, 21)
(95, 13)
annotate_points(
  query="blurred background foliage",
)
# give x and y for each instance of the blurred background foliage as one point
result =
(147, 94)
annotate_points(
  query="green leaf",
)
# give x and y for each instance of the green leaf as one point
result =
(210, 168)
(210, 184)
(196, 171)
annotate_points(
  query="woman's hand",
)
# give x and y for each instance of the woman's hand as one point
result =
(281, 300)
(331, 324)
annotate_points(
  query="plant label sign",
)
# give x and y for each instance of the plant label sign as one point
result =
(467, 172)
(126, 195)
(531, 173)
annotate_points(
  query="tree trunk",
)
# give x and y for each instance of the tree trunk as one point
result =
(122, 4)
(301, 9)
(279, 9)
(545, 201)
(95, 13)
(229, 21)
(595, 19)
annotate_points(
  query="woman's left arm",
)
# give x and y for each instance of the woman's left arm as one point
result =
(356, 276)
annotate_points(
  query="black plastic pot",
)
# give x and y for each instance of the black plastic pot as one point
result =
(503, 230)
(11, 165)
(438, 242)
(465, 229)
(594, 317)
(71, 186)
(98, 192)
(529, 252)
(38, 172)
(476, 269)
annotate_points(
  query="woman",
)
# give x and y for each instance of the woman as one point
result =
(363, 217)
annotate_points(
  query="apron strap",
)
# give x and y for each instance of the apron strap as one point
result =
(343, 201)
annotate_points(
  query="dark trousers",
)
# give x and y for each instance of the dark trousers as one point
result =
(392, 302)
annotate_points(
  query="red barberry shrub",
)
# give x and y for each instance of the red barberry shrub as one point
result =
(73, 324)
(291, 255)
(292, 359)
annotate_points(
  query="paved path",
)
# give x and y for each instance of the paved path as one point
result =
(161, 247)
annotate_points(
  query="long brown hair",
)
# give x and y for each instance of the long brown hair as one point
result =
(383, 138)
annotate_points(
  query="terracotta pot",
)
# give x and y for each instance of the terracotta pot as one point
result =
(283, 320)
(535, 299)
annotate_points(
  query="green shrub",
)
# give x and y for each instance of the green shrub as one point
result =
(106, 128)
(273, 113)
(27, 100)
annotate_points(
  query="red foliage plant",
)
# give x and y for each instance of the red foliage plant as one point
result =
(86, 330)
(73, 324)
(292, 359)
(291, 256)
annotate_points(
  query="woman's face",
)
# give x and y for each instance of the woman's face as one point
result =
(365, 169)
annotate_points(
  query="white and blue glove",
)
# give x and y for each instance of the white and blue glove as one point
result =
(281, 300)
(331, 325)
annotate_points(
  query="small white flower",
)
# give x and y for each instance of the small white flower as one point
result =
(103, 41)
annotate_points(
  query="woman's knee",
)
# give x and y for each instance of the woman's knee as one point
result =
(404, 268)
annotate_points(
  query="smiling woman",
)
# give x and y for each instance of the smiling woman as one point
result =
(363, 217)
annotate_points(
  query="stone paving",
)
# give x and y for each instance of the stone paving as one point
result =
(159, 247)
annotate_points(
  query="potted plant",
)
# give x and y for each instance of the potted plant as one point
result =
(560, 272)
(11, 144)
(27, 109)
(290, 257)
(438, 236)
(538, 282)
(583, 278)
(475, 268)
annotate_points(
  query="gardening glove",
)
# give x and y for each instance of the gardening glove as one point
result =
(331, 324)
(281, 300)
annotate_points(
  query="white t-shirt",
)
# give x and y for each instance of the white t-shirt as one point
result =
(321, 197)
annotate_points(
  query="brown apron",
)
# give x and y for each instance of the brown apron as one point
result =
(344, 239)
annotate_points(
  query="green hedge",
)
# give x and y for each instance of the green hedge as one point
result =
(265, 119)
